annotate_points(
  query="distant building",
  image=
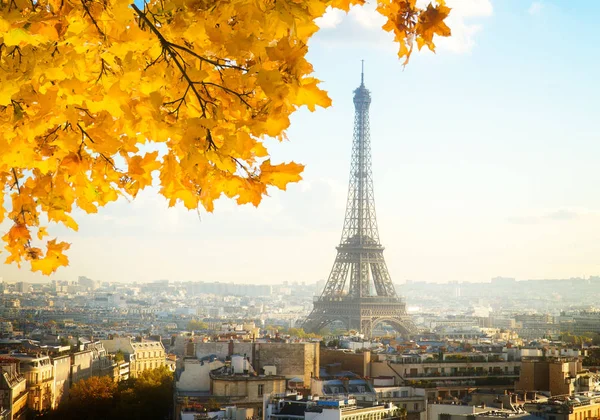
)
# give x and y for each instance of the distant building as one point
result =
(22, 287)
(533, 326)
(579, 323)
(6, 328)
(87, 283)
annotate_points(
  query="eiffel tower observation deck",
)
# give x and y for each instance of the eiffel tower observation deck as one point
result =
(359, 292)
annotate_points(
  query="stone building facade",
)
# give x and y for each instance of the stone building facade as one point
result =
(292, 360)
(13, 390)
(141, 354)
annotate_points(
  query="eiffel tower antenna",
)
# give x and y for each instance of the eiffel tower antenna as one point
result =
(362, 73)
(359, 291)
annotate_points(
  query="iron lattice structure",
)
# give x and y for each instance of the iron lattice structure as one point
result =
(359, 291)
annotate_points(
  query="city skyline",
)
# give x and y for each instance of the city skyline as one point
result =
(493, 173)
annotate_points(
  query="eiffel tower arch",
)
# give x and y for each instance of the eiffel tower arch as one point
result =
(359, 291)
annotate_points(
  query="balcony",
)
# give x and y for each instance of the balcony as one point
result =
(463, 375)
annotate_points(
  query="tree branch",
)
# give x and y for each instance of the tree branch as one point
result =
(87, 12)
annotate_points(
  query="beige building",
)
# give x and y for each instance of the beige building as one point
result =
(39, 374)
(431, 370)
(13, 389)
(559, 376)
(334, 408)
(233, 382)
(247, 390)
(585, 406)
(141, 355)
(195, 374)
(292, 360)
(81, 367)
(62, 378)
(413, 400)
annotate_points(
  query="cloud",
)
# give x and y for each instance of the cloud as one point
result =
(463, 29)
(535, 8)
(523, 220)
(331, 18)
(363, 25)
(563, 214)
(558, 215)
(367, 18)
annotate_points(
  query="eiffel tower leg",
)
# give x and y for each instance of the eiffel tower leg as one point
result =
(366, 327)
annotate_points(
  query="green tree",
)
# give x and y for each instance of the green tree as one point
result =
(296, 332)
(196, 325)
(154, 392)
(119, 356)
(149, 396)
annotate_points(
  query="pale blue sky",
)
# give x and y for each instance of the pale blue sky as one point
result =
(485, 159)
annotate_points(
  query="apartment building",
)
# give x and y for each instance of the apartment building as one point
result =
(39, 374)
(140, 354)
(582, 406)
(293, 360)
(13, 390)
(558, 376)
(294, 407)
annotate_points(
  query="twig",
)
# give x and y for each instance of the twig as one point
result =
(87, 11)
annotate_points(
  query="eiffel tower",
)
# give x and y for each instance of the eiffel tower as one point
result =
(368, 298)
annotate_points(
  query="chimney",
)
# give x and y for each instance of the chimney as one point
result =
(230, 350)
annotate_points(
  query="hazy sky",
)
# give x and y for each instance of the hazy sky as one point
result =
(485, 163)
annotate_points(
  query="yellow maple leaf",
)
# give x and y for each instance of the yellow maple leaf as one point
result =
(19, 231)
(41, 233)
(310, 95)
(280, 175)
(431, 22)
(7, 90)
(346, 4)
(18, 36)
(54, 258)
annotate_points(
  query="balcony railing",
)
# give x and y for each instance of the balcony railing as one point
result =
(473, 374)
(415, 361)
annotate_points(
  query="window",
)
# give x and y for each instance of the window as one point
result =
(261, 389)
(416, 407)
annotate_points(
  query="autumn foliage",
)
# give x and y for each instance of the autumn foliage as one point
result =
(103, 98)
(149, 396)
